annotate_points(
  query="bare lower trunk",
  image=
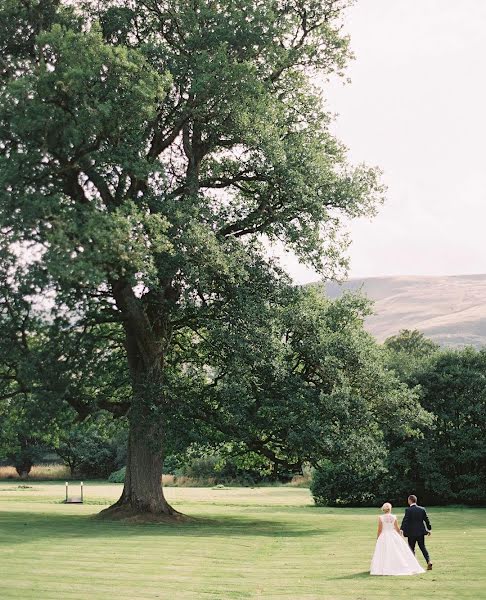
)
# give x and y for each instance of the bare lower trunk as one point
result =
(24, 469)
(142, 492)
(23, 473)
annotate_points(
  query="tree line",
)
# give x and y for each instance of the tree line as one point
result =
(298, 384)
(446, 462)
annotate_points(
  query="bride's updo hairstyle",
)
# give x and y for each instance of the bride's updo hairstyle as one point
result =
(386, 507)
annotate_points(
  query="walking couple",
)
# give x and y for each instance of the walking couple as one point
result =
(393, 556)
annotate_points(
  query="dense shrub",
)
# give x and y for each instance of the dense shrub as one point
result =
(172, 464)
(211, 468)
(341, 484)
(203, 467)
(221, 467)
(98, 458)
(118, 476)
(94, 448)
(170, 467)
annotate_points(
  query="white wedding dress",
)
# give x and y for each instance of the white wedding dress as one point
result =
(392, 553)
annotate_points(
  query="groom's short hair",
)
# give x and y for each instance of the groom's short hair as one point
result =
(412, 498)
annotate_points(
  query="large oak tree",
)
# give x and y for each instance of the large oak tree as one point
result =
(149, 149)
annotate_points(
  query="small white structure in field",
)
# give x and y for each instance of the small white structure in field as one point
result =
(73, 499)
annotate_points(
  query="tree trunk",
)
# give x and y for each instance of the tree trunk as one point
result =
(23, 469)
(23, 472)
(142, 492)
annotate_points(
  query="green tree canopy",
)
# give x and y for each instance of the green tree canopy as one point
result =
(309, 382)
(148, 149)
(407, 351)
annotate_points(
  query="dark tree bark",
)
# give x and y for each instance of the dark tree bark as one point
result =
(142, 491)
(24, 469)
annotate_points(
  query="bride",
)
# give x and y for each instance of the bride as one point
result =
(392, 554)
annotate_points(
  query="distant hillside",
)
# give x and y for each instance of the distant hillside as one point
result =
(450, 310)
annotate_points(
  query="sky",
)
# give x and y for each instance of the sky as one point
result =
(416, 108)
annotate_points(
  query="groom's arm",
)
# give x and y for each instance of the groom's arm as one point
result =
(404, 524)
(426, 521)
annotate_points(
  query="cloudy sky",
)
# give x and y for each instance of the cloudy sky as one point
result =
(416, 107)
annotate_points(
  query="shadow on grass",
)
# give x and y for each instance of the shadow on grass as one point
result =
(20, 527)
(360, 575)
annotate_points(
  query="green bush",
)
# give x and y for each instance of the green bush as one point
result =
(204, 467)
(94, 448)
(118, 476)
(220, 467)
(97, 458)
(172, 464)
(340, 485)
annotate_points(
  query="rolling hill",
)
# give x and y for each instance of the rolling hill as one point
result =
(451, 310)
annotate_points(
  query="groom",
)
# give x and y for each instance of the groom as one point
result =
(415, 526)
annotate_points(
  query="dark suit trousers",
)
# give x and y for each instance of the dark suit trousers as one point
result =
(421, 542)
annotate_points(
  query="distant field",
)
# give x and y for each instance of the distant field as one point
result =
(264, 543)
(450, 310)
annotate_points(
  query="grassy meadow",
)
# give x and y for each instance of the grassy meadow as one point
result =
(241, 543)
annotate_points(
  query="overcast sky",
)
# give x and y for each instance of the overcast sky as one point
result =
(416, 107)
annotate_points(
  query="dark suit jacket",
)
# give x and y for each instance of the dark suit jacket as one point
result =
(415, 521)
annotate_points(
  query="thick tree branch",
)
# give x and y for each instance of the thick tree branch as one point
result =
(225, 182)
(99, 182)
(73, 188)
(162, 139)
(255, 222)
(136, 322)
(9, 395)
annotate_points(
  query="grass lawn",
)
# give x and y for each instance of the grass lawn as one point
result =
(243, 543)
